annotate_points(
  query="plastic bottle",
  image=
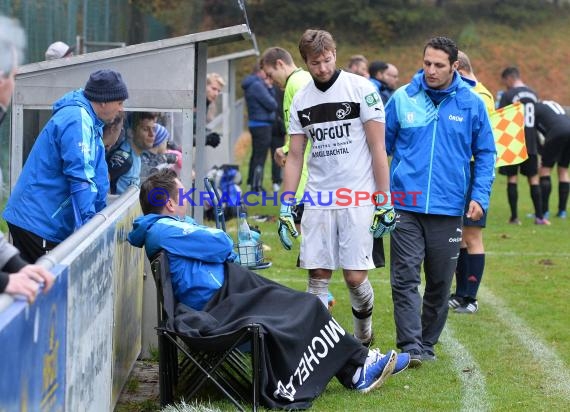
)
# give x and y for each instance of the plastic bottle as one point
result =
(246, 244)
(243, 228)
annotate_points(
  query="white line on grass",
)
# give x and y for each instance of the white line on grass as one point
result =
(553, 367)
(473, 383)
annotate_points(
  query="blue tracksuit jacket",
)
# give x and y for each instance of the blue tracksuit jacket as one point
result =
(433, 145)
(64, 181)
(196, 254)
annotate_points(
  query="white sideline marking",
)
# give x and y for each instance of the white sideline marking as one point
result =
(553, 367)
(473, 383)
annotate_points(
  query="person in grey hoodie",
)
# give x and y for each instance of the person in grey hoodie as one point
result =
(261, 108)
(16, 276)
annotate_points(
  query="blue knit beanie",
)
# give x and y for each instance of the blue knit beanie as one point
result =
(106, 86)
(160, 134)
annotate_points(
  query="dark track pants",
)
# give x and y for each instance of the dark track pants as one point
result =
(260, 144)
(30, 245)
(433, 240)
(277, 141)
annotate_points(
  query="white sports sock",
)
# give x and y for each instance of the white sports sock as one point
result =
(357, 375)
(369, 359)
(320, 287)
(362, 301)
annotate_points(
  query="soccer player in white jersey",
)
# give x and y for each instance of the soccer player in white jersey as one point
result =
(346, 198)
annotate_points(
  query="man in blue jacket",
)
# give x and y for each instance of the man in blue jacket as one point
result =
(434, 126)
(64, 181)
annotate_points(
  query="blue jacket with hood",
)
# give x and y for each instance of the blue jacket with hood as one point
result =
(432, 146)
(64, 181)
(196, 254)
(261, 105)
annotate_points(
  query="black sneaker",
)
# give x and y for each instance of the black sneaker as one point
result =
(415, 358)
(428, 355)
(469, 306)
(455, 301)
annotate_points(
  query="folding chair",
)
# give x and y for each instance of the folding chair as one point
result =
(217, 359)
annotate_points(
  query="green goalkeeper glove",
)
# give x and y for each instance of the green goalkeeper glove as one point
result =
(286, 226)
(384, 218)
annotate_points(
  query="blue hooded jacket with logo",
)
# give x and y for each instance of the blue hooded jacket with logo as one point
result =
(433, 145)
(196, 254)
(64, 181)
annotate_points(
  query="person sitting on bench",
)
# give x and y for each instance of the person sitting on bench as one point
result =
(303, 347)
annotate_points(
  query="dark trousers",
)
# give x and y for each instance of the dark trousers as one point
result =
(30, 245)
(433, 240)
(277, 141)
(260, 144)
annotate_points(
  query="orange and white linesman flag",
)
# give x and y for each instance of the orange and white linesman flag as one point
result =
(508, 128)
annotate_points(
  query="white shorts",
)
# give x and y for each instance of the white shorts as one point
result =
(337, 238)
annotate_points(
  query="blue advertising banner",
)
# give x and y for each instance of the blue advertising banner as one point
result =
(128, 267)
(32, 356)
(90, 319)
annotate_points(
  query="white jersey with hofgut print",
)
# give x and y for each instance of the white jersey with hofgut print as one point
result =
(340, 163)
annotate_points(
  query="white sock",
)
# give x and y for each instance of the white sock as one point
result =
(320, 287)
(362, 301)
(369, 359)
(357, 375)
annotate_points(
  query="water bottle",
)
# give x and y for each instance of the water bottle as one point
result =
(243, 229)
(246, 244)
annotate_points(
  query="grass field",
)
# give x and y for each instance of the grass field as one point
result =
(511, 355)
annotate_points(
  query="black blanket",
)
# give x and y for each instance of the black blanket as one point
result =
(303, 347)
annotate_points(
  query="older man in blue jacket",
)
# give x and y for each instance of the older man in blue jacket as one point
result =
(65, 179)
(434, 126)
